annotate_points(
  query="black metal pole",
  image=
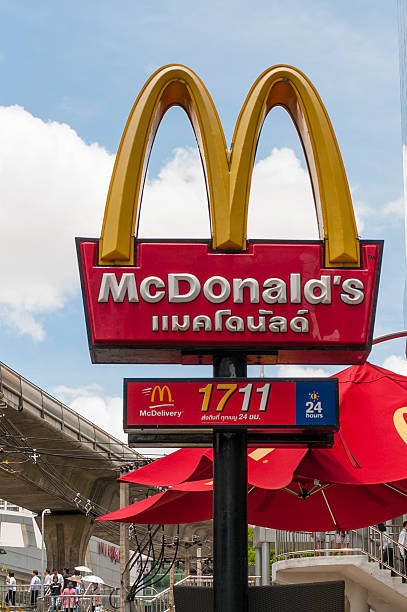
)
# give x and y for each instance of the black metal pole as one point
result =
(230, 504)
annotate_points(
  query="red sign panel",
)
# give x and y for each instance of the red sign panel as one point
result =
(276, 302)
(296, 404)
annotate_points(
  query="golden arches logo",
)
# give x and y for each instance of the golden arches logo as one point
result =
(228, 172)
(161, 391)
(400, 423)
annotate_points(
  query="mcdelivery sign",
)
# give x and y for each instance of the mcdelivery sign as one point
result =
(276, 302)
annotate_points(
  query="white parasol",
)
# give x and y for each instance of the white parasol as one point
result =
(94, 579)
(83, 568)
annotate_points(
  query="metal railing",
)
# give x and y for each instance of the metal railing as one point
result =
(374, 544)
(80, 603)
(162, 601)
(20, 597)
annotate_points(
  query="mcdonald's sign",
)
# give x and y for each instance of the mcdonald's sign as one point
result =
(178, 301)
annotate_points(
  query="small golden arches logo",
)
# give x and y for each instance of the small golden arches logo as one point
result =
(161, 390)
(400, 423)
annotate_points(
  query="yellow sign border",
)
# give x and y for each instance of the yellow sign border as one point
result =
(227, 172)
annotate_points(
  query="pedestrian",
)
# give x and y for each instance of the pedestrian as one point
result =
(320, 538)
(65, 576)
(403, 549)
(34, 588)
(342, 537)
(54, 591)
(69, 598)
(59, 576)
(95, 593)
(78, 584)
(11, 583)
(387, 547)
(47, 579)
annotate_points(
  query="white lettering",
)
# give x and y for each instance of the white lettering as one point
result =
(353, 288)
(145, 286)
(174, 294)
(109, 285)
(211, 296)
(323, 287)
(250, 283)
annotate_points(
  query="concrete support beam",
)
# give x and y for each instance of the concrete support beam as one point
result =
(66, 538)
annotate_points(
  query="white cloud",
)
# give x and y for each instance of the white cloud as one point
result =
(294, 371)
(281, 201)
(52, 188)
(93, 404)
(395, 363)
(394, 208)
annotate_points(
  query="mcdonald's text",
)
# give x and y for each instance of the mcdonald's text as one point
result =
(276, 301)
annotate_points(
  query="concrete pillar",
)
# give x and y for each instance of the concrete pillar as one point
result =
(257, 565)
(124, 547)
(66, 537)
(357, 597)
(265, 564)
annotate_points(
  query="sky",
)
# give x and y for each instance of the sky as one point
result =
(69, 74)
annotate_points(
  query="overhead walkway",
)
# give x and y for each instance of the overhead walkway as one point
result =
(51, 457)
(363, 566)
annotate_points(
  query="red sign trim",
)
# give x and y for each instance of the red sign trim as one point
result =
(270, 353)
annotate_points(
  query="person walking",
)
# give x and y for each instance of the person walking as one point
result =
(54, 591)
(387, 547)
(65, 577)
(69, 598)
(60, 578)
(34, 588)
(403, 549)
(12, 587)
(320, 539)
(342, 538)
(95, 592)
(47, 579)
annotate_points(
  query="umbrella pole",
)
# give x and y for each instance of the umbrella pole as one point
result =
(230, 504)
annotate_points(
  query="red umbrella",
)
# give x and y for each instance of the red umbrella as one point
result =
(371, 446)
(181, 465)
(302, 506)
(359, 482)
(189, 464)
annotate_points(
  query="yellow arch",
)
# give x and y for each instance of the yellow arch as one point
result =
(228, 173)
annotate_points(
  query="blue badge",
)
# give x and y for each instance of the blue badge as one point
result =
(315, 403)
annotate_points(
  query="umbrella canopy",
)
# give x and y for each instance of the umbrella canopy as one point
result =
(370, 448)
(94, 579)
(75, 579)
(83, 568)
(302, 505)
(184, 464)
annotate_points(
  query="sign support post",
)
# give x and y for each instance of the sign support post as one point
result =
(230, 504)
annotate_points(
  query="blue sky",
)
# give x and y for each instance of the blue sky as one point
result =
(69, 74)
